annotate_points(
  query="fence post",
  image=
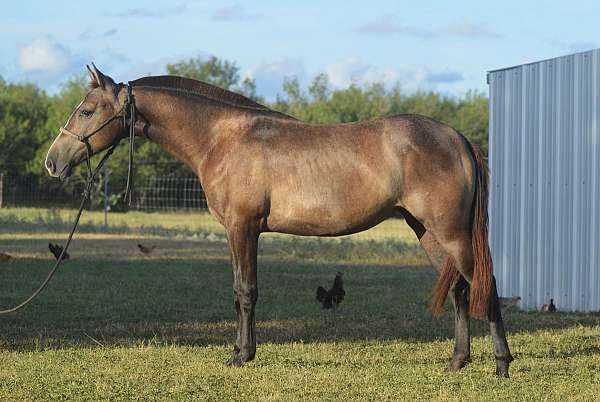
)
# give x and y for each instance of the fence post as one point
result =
(105, 195)
(1, 187)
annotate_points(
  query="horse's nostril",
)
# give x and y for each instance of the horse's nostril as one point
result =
(50, 166)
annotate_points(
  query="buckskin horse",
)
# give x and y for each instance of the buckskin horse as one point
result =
(264, 171)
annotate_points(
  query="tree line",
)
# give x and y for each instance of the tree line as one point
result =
(30, 118)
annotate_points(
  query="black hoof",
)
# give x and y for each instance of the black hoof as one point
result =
(502, 365)
(456, 363)
(238, 359)
(502, 368)
(235, 361)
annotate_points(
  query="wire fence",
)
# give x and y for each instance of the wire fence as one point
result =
(172, 193)
(168, 193)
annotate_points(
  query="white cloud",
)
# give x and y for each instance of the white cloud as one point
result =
(236, 12)
(44, 56)
(269, 76)
(391, 25)
(468, 29)
(146, 12)
(90, 34)
(355, 71)
(568, 47)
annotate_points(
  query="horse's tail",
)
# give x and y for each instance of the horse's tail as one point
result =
(483, 276)
(448, 275)
(481, 285)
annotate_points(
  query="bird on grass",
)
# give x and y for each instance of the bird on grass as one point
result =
(551, 308)
(334, 296)
(5, 257)
(508, 301)
(145, 249)
(56, 250)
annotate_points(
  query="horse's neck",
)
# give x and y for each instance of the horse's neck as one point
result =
(183, 126)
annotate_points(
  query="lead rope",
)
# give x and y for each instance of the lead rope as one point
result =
(129, 188)
(88, 186)
(86, 195)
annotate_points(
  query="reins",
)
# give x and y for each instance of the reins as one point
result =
(129, 103)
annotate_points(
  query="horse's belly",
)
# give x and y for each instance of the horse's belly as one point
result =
(326, 214)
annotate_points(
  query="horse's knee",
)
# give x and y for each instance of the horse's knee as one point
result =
(245, 296)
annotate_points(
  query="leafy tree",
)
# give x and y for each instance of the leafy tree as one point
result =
(222, 73)
(472, 118)
(23, 116)
(30, 119)
(58, 109)
(468, 114)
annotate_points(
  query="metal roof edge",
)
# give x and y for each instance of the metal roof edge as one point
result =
(539, 61)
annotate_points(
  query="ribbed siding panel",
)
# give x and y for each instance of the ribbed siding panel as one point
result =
(545, 186)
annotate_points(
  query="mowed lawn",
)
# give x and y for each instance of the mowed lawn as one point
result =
(115, 324)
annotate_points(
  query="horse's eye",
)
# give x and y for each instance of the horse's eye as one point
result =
(86, 113)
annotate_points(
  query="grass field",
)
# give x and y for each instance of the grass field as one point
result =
(118, 325)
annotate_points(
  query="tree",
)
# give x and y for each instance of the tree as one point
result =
(23, 116)
(468, 114)
(30, 119)
(222, 73)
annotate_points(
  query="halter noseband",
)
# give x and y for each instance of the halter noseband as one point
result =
(122, 113)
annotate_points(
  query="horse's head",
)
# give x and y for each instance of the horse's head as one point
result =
(95, 121)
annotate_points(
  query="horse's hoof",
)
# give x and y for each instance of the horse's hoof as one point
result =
(235, 361)
(456, 363)
(502, 369)
(238, 359)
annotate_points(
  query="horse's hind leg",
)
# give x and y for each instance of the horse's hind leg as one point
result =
(501, 350)
(462, 347)
(460, 248)
(459, 293)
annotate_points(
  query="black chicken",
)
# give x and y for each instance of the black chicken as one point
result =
(56, 250)
(146, 249)
(334, 296)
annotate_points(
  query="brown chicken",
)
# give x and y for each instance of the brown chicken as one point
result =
(334, 296)
(551, 308)
(5, 257)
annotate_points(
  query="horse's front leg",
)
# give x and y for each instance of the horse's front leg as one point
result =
(243, 242)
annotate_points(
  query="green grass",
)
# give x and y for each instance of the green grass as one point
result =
(164, 223)
(118, 325)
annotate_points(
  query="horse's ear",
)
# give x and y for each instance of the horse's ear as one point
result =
(93, 82)
(98, 79)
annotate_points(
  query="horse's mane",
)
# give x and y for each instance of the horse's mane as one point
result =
(202, 89)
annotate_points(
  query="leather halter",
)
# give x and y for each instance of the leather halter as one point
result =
(122, 113)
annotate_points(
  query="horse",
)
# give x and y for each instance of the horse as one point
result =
(264, 171)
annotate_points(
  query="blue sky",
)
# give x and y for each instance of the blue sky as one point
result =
(445, 46)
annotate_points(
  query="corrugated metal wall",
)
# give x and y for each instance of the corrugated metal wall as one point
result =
(544, 161)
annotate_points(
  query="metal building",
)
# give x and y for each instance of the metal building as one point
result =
(544, 150)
